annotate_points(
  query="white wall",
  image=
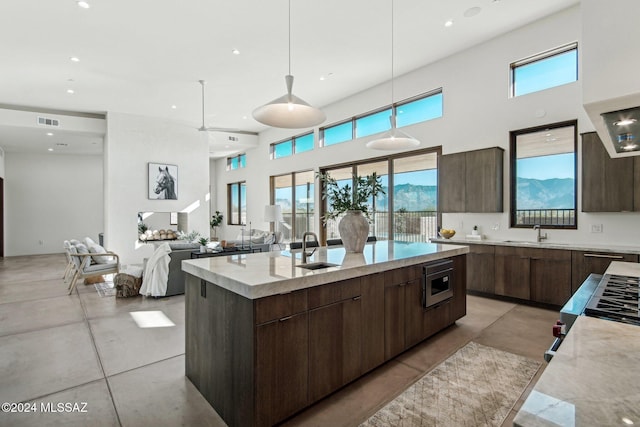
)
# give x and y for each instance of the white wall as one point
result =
(478, 113)
(50, 198)
(133, 141)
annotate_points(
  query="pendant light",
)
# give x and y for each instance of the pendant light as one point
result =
(394, 138)
(289, 111)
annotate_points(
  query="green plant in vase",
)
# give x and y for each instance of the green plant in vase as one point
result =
(216, 221)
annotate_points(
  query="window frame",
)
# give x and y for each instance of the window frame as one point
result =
(292, 140)
(240, 163)
(539, 57)
(230, 219)
(294, 184)
(394, 107)
(513, 135)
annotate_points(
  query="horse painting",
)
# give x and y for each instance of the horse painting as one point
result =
(165, 185)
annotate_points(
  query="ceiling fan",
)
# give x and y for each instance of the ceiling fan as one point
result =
(204, 128)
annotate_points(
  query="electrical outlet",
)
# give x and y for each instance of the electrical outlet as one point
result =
(596, 228)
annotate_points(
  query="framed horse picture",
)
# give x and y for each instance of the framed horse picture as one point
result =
(163, 181)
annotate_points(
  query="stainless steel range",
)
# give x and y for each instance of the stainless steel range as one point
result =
(616, 298)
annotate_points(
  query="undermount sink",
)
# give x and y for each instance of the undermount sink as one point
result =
(317, 265)
(522, 242)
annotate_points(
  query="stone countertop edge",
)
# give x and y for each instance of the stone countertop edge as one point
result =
(591, 380)
(543, 245)
(266, 285)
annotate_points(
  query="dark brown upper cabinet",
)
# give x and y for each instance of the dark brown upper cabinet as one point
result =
(472, 181)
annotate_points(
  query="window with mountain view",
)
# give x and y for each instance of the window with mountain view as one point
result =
(543, 176)
(408, 209)
(294, 193)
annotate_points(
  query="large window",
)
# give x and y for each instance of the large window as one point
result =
(236, 162)
(546, 70)
(294, 193)
(543, 176)
(415, 110)
(408, 209)
(237, 203)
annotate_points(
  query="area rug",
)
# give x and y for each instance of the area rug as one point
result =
(476, 386)
(105, 289)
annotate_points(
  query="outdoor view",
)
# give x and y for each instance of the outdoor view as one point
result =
(545, 177)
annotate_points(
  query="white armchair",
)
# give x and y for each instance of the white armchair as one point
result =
(84, 268)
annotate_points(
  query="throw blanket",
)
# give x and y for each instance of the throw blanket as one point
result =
(156, 273)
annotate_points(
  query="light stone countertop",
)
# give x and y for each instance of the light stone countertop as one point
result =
(269, 273)
(593, 379)
(544, 245)
(624, 268)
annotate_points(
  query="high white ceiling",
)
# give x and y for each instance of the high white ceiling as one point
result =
(144, 56)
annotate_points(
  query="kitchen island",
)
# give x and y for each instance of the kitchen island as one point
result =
(266, 337)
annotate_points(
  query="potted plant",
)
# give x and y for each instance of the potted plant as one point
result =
(203, 244)
(475, 230)
(216, 221)
(354, 226)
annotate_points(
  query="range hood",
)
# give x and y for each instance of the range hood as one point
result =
(617, 122)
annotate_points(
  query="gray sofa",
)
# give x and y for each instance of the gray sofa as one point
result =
(179, 252)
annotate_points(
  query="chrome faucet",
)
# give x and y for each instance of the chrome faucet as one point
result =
(540, 237)
(306, 254)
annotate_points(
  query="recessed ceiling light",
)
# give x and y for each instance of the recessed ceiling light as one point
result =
(630, 147)
(173, 107)
(244, 117)
(74, 59)
(71, 91)
(625, 122)
(471, 12)
(83, 4)
(49, 149)
(49, 134)
(235, 52)
(322, 78)
(448, 23)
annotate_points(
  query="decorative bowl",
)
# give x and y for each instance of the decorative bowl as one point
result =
(448, 234)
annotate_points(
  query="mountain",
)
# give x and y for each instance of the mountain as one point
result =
(412, 197)
(555, 193)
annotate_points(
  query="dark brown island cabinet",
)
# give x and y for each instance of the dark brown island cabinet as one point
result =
(260, 361)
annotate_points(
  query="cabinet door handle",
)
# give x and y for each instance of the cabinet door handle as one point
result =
(402, 284)
(604, 256)
(284, 319)
(357, 298)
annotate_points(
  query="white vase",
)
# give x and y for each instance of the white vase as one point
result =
(354, 229)
(203, 249)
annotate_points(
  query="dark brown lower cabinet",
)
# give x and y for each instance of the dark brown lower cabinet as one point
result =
(394, 301)
(335, 346)
(584, 263)
(550, 276)
(372, 291)
(512, 272)
(282, 368)
(414, 313)
(481, 268)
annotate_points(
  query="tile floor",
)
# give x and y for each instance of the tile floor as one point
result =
(64, 348)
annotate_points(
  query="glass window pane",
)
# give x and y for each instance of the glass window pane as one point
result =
(233, 202)
(415, 196)
(420, 110)
(283, 196)
(304, 143)
(243, 160)
(373, 123)
(304, 206)
(234, 163)
(544, 178)
(546, 73)
(282, 149)
(243, 203)
(378, 207)
(339, 133)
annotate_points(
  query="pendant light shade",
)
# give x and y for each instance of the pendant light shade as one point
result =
(289, 111)
(394, 138)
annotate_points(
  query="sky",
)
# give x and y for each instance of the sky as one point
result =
(547, 167)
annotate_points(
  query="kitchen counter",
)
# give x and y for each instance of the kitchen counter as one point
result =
(635, 250)
(260, 275)
(591, 381)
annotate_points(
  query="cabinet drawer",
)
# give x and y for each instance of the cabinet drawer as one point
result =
(334, 292)
(279, 306)
(402, 275)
